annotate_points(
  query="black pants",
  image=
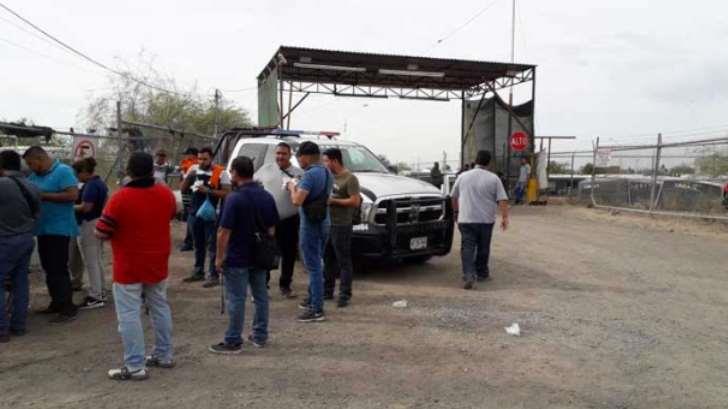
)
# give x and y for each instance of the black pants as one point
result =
(287, 238)
(53, 252)
(337, 261)
(475, 249)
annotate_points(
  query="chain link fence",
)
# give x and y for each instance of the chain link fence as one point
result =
(684, 178)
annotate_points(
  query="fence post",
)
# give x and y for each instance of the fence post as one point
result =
(655, 172)
(594, 172)
(571, 181)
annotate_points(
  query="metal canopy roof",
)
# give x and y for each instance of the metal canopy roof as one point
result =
(307, 65)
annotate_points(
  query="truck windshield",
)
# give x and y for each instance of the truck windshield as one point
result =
(359, 159)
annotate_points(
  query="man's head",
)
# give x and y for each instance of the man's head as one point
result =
(482, 158)
(333, 160)
(308, 154)
(37, 159)
(191, 153)
(241, 170)
(283, 155)
(85, 169)
(140, 165)
(160, 157)
(204, 158)
(524, 160)
(436, 165)
(9, 161)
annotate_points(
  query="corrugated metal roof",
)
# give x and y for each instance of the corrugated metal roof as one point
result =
(365, 69)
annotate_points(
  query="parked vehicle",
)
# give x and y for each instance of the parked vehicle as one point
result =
(401, 218)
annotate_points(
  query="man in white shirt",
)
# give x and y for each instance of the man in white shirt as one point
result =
(523, 174)
(477, 195)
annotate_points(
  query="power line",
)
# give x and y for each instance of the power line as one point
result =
(467, 23)
(32, 51)
(240, 90)
(85, 56)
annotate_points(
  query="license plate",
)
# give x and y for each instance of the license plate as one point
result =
(418, 243)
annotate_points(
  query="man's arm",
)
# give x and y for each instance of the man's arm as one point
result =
(298, 195)
(503, 206)
(223, 237)
(187, 182)
(220, 193)
(68, 195)
(351, 201)
(84, 207)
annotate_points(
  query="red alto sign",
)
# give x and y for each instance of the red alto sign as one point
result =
(519, 141)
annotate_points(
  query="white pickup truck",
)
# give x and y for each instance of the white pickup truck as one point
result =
(401, 218)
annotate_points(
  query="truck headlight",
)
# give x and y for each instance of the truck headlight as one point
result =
(366, 209)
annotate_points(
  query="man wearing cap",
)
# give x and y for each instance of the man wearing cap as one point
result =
(311, 194)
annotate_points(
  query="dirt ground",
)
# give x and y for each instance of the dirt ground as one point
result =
(616, 311)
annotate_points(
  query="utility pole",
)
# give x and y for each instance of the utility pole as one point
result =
(121, 141)
(218, 95)
(510, 95)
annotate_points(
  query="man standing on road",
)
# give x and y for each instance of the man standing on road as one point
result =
(93, 197)
(55, 229)
(162, 168)
(343, 201)
(311, 194)
(436, 176)
(19, 210)
(523, 174)
(188, 160)
(207, 182)
(238, 225)
(476, 195)
(287, 228)
(137, 221)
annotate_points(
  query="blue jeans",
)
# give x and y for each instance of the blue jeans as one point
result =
(475, 249)
(128, 300)
(313, 238)
(236, 281)
(204, 234)
(15, 254)
(520, 191)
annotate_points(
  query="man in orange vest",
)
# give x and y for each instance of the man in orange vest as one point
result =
(208, 183)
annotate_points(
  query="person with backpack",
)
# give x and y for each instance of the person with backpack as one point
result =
(19, 212)
(345, 199)
(249, 214)
(311, 195)
(209, 183)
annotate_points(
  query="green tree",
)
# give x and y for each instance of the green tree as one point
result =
(680, 170)
(715, 164)
(556, 168)
(587, 169)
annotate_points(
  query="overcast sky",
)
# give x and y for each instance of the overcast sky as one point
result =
(617, 68)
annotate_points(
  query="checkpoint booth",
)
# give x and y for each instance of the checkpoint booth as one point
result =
(488, 121)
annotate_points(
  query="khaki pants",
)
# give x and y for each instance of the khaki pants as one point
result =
(86, 251)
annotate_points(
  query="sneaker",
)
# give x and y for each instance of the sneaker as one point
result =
(154, 362)
(226, 349)
(90, 303)
(328, 297)
(124, 374)
(305, 304)
(213, 282)
(63, 318)
(255, 343)
(311, 316)
(287, 293)
(469, 285)
(342, 303)
(186, 248)
(194, 278)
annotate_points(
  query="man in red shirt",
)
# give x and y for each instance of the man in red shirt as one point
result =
(137, 222)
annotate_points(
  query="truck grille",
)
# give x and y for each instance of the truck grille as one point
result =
(411, 210)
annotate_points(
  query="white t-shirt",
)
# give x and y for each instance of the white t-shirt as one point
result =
(272, 178)
(478, 192)
(525, 172)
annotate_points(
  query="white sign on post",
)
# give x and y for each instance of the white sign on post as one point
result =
(603, 157)
(83, 147)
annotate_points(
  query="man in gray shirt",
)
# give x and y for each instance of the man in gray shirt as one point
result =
(19, 210)
(476, 196)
